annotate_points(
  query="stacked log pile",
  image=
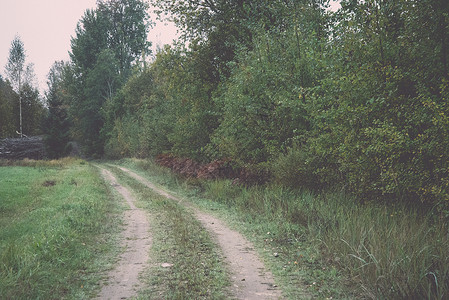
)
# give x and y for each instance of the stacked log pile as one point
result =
(20, 148)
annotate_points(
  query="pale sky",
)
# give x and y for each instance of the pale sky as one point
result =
(46, 26)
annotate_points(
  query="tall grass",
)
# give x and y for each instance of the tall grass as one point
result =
(390, 252)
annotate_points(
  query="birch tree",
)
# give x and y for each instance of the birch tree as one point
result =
(15, 70)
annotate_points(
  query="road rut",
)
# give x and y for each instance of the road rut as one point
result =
(123, 281)
(250, 278)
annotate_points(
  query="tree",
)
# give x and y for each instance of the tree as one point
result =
(15, 71)
(56, 124)
(109, 41)
(8, 100)
(128, 25)
(23, 79)
(33, 110)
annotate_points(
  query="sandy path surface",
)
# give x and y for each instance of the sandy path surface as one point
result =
(123, 281)
(249, 277)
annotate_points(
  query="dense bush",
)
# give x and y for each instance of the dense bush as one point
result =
(261, 110)
(309, 98)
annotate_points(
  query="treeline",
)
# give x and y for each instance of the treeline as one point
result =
(287, 90)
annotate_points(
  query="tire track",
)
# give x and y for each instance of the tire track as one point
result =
(123, 281)
(250, 278)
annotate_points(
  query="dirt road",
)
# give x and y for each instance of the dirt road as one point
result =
(123, 281)
(250, 278)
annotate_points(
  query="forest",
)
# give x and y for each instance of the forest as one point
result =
(288, 91)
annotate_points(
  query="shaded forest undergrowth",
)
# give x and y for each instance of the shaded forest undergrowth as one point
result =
(338, 246)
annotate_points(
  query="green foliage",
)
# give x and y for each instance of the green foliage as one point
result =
(315, 98)
(297, 168)
(166, 107)
(127, 30)
(8, 103)
(354, 98)
(21, 77)
(261, 109)
(15, 67)
(109, 41)
(33, 110)
(124, 139)
(377, 118)
(190, 79)
(90, 40)
(139, 118)
(56, 124)
(264, 103)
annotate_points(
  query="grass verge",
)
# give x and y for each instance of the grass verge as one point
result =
(58, 227)
(329, 244)
(185, 263)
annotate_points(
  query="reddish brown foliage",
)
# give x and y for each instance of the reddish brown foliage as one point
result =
(213, 170)
(192, 169)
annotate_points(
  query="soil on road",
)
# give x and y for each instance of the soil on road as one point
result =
(123, 281)
(250, 278)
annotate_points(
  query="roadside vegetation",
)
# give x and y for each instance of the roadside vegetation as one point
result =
(328, 244)
(335, 123)
(287, 91)
(58, 225)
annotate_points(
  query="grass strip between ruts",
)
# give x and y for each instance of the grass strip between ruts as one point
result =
(185, 263)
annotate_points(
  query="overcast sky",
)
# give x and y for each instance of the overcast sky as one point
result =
(46, 26)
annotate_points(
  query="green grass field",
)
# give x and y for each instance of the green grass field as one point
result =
(58, 228)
